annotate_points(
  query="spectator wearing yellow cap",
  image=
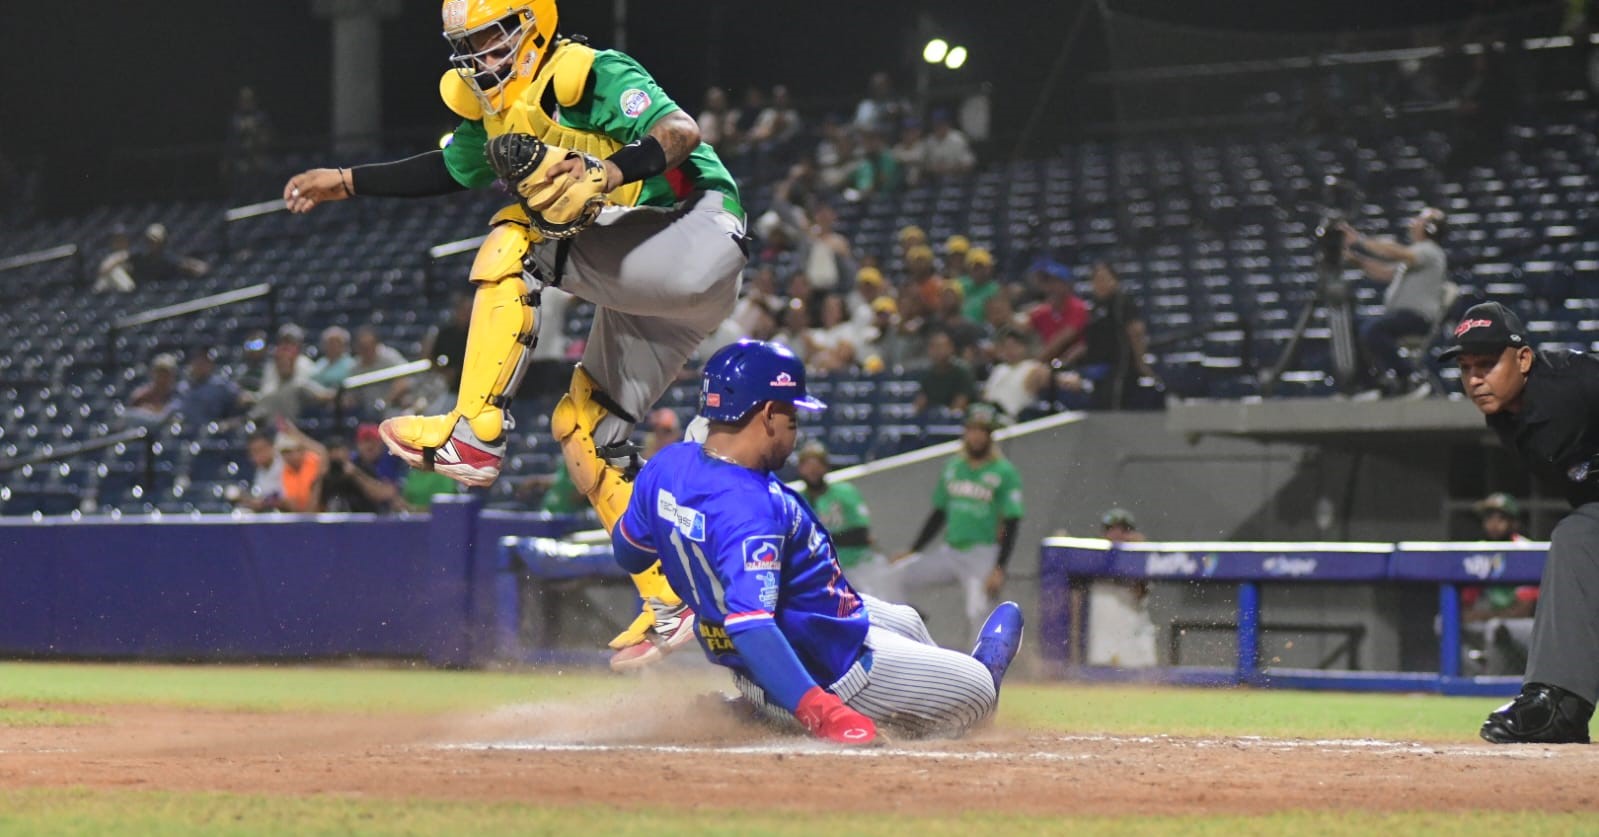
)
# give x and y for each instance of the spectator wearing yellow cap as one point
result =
(869, 285)
(956, 248)
(890, 343)
(978, 284)
(910, 236)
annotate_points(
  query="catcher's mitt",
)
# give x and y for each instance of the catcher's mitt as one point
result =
(559, 208)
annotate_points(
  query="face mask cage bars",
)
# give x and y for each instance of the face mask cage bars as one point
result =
(480, 66)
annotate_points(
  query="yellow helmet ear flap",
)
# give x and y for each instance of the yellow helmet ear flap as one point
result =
(458, 96)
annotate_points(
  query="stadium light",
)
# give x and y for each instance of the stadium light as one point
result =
(935, 51)
(956, 58)
(444, 141)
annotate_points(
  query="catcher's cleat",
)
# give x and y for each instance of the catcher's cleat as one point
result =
(445, 444)
(1541, 714)
(671, 627)
(999, 640)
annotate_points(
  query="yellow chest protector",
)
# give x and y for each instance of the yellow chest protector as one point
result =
(567, 70)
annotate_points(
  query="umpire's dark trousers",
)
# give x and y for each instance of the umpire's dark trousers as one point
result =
(1565, 629)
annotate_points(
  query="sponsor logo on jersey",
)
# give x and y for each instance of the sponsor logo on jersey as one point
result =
(634, 102)
(763, 552)
(715, 638)
(784, 379)
(691, 522)
(1283, 565)
(769, 590)
(1483, 566)
(969, 490)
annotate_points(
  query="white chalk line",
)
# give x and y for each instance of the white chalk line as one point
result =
(1374, 746)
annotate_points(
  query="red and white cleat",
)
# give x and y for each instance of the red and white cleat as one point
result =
(674, 628)
(461, 455)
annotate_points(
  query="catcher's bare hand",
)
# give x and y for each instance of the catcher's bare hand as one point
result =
(308, 188)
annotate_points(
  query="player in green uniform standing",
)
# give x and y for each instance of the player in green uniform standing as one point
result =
(978, 504)
(843, 511)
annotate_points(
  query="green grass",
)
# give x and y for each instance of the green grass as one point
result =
(81, 812)
(1147, 710)
(294, 688)
(44, 718)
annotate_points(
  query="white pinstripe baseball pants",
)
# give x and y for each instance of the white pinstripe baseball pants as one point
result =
(911, 686)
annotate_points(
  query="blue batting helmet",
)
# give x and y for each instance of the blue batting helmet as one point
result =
(741, 376)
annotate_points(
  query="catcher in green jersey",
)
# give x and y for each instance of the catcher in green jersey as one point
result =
(843, 511)
(618, 202)
(978, 505)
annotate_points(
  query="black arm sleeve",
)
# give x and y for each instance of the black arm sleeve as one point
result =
(1007, 539)
(859, 536)
(421, 176)
(935, 522)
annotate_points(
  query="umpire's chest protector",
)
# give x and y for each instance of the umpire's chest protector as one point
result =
(567, 72)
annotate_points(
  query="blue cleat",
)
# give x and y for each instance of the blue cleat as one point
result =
(999, 640)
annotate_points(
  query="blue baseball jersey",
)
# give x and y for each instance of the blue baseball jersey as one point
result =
(746, 551)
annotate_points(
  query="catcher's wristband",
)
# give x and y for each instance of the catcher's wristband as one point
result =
(640, 160)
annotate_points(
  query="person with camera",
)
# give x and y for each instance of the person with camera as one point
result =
(1413, 301)
(367, 480)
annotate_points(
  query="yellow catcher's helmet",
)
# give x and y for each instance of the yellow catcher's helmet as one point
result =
(498, 45)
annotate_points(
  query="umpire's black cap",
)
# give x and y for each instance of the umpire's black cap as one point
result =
(1487, 328)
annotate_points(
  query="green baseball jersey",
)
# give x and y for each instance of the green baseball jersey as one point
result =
(975, 297)
(976, 498)
(562, 497)
(840, 508)
(622, 101)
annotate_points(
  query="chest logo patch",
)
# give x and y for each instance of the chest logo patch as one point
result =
(763, 552)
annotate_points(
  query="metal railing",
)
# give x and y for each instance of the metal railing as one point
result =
(55, 454)
(193, 306)
(376, 376)
(50, 254)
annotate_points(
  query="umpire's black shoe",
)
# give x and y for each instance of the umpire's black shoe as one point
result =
(1540, 715)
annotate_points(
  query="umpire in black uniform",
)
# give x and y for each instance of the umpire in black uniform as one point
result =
(1545, 406)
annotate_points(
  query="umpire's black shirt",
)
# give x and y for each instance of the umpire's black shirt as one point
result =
(1557, 431)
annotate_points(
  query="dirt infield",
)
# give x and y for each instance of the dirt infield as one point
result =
(553, 755)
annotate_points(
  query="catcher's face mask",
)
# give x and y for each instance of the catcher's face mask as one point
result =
(498, 44)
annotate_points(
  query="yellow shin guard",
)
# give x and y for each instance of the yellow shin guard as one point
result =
(607, 488)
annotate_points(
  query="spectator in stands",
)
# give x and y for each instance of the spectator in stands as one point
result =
(837, 154)
(335, 364)
(909, 236)
(777, 124)
(877, 172)
(367, 480)
(833, 344)
(556, 492)
(978, 285)
(840, 507)
(288, 385)
(421, 487)
(266, 487)
(207, 396)
(796, 322)
(113, 274)
(882, 110)
(744, 118)
(1412, 302)
(1060, 320)
(152, 262)
(948, 381)
(717, 123)
(1000, 316)
(664, 428)
(249, 138)
(759, 295)
(949, 153)
(869, 286)
(1018, 380)
(155, 401)
(950, 317)
(829, 262)
(372, 354)
(253, 361)
(1497, 619)
(303, 461)
(890, 347)
(955, 249)
(1115, 342)
(911, 151)
(922, 277)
